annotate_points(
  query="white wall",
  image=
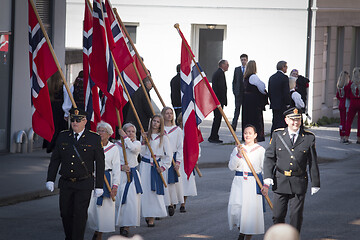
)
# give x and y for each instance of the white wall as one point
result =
(268, 31)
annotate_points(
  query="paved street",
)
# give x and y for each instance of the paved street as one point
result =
(331, 214)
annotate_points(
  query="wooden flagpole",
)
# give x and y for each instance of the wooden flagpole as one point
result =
(230, 128)
(119, 122)
(139, 77)
(138, 119)
(53, 54)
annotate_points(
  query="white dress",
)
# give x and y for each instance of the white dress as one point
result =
(174, 193)
(128, 214)
(152, 204)
(102, 218)
(189, 185)
(245, 209)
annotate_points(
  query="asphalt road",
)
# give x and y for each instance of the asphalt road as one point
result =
(330, 214)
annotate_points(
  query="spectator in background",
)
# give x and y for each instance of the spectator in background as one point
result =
(343, 81)
(279, 94)
(220, 89)
(296, 100)
(302, 84)
(238, 88)
(255, 99)
(176, 92)
(352, 91)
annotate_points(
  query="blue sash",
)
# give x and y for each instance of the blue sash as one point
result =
(106, 190)
(156, 182)
(172, 175)
(133, 175)
(258, 190)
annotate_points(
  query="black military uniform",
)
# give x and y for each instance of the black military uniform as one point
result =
(286, 164)
(77, 179)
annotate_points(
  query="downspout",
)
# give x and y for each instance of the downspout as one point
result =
(308, 38)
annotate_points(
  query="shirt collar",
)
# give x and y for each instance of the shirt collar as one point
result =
(291, 132)
(80, 133)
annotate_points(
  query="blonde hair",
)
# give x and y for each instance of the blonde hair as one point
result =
(250, 69)
(127, 125)
(151, 130)
(292, 82)
(343, 79)
(356, 75)
(180, 121)
(163, 111)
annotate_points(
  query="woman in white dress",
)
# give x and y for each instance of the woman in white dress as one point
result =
(128, 199)
(174, 193)
(153, 204)
(101, 210)
(189, 185)
(245, 209)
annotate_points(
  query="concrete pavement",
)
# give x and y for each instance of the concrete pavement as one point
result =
(23, 176)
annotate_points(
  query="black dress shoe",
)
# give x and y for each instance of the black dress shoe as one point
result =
(182, 209)
(214, 140)
(171, 210)
(241, 236)
(151, 224)
(124, 232)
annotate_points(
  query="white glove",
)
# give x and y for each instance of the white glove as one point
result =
(50, 186)
(314, 190)
(269, 181)
(98, 192)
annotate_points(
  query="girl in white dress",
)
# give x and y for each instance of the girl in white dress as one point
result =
(189, 185)
(101, 211)
(153, 204)
(174, 193)
(245, 209)
(128, 199)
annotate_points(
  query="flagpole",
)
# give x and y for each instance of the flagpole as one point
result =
(53, 54)
(229, 126)
(119, 123)
(138, 119)
(138, 74)
(138, 56)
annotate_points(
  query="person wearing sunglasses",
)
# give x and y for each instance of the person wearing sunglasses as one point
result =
(76, 150)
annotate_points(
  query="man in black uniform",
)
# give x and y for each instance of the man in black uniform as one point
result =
(220, 89)
(76, 150)
(175, 85)
(290, 151)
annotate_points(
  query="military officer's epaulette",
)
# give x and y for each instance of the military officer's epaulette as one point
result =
(307, 131)
(94, 132)
(278, 129)
(66, 130)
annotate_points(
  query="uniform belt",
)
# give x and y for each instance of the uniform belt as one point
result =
(76, 179)
(290, 173)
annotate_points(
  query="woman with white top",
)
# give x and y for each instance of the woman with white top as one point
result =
(128, 199)
(174, 193)
(255, 99)
(153, 204)
(101, 211)
(245, 209)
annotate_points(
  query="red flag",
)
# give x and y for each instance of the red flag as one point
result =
(116, 39)
(42, 66)
(92, 106)
(198, 100)
(4, 43)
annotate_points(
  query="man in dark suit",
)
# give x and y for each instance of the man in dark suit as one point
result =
(176, 92)
(76, 150)
(238, 88)
(279, 95)
(290, 152)
(220, 89)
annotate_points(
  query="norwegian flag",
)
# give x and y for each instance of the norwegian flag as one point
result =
(197, 101)
(92, 105)
(42, 66)
(4, 43)
(118, 46)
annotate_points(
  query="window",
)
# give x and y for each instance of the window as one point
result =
(44, 8)
(131, 29)
(340, 51)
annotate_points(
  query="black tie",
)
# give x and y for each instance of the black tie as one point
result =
(293, 138)
(76, 136)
